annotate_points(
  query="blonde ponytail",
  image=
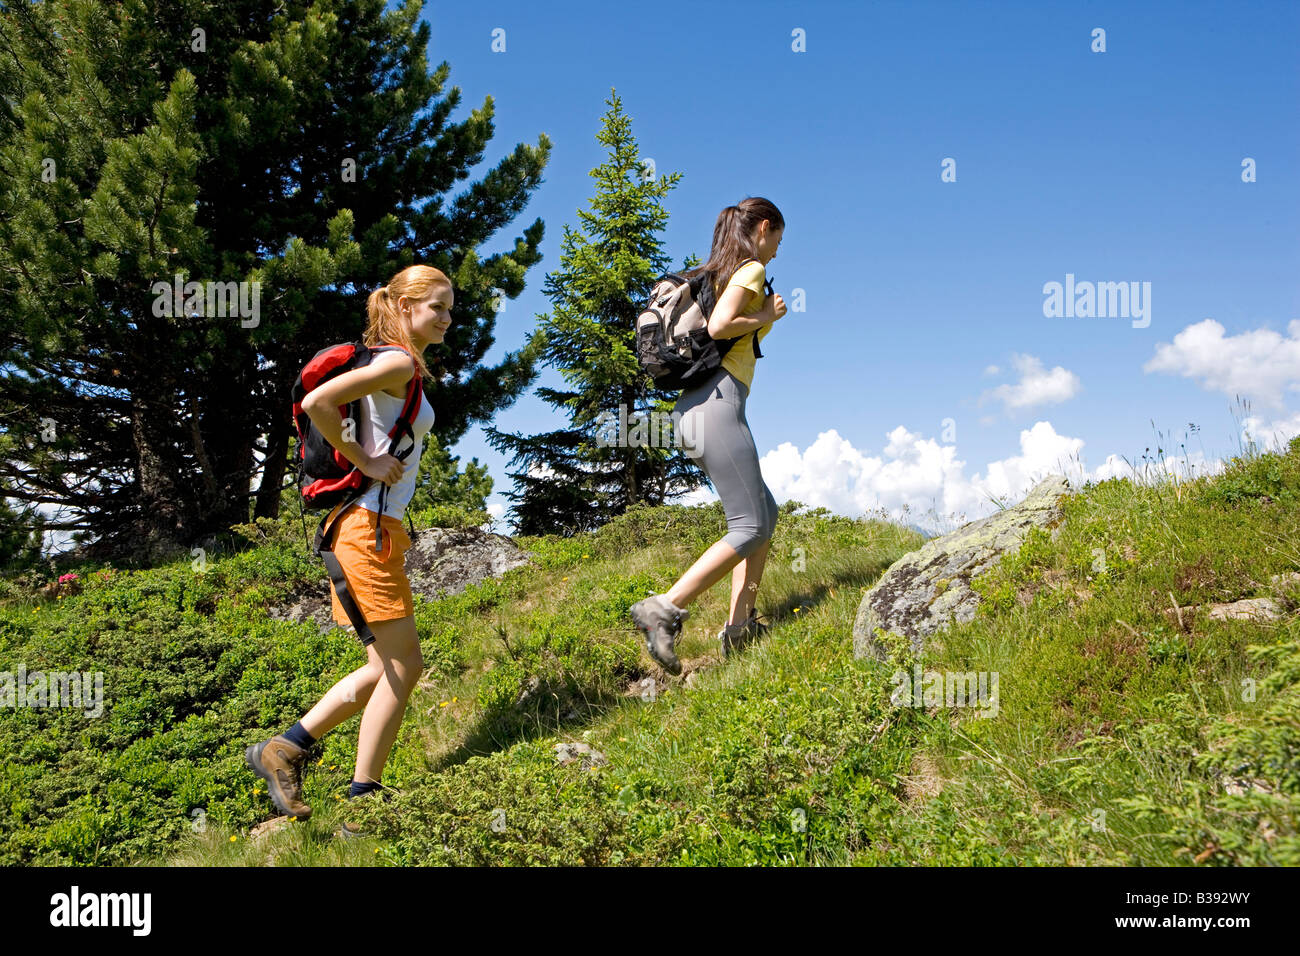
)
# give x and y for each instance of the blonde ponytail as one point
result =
(384, 323)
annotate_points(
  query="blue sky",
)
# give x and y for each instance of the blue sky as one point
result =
(924, 298)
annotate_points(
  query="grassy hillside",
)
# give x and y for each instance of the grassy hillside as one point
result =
(1122, 737)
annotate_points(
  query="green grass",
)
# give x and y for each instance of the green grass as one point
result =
(1121, 737)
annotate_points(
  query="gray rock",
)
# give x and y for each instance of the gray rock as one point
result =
(444, 561)
(567, 753)
(529, 690)
(274, 825)
(925, 590)
(441, 562)
(1284, 582)
(1250, 609)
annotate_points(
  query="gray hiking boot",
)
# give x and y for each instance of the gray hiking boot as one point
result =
(754, 628)
(732, 638)
(735, 637)
(661, 621)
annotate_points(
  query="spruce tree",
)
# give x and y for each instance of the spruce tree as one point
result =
(578, 477)
(302, 146)
(442, 483)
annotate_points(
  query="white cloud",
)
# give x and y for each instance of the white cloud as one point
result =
(913, 473)
(992, 370)
(1037, 386)
(918, 480)
(1260, 364)
(1270, 436)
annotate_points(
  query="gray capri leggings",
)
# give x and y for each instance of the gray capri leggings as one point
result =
(716, 434)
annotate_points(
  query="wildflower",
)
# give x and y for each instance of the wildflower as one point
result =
(233, 838)
(65, 578)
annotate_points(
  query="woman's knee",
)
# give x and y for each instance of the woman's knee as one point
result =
(397, 647)
(745, 540)
(362, 682)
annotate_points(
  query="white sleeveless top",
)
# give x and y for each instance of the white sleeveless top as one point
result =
(379, 412)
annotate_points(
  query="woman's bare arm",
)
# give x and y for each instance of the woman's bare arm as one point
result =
(386, 371)
(726, 322)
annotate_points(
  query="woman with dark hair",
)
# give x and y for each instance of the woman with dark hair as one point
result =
(716, 434)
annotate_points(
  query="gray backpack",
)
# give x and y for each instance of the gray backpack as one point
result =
(672, 332)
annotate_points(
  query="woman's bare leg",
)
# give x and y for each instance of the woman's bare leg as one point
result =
(398, 647)
(346, 697)
(745, 578)
(708, 569)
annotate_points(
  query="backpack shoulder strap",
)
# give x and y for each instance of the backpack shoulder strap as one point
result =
(414, 393)
(403, 427)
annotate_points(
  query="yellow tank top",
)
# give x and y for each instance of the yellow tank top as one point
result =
(739, 361)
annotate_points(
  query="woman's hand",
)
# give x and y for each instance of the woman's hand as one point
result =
(775, 305)
(772, 309)
(387, 371)
(383, 468)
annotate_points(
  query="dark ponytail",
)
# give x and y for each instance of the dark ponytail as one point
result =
(735, 237)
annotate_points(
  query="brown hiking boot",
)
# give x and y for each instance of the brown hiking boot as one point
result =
(348, 828)
(279, 761)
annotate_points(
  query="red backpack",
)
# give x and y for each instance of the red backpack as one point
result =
(325, 477)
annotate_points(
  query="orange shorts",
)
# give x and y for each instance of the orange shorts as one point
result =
(376, 579)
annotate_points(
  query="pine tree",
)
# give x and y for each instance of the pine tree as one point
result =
(577, 478)
(20, 536)
(441, 483)
(303, 145)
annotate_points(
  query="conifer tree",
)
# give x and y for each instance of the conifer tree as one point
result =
(441, 482)
(578, 477)
(300, 147)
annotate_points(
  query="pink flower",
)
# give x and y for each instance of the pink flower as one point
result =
(65, 578)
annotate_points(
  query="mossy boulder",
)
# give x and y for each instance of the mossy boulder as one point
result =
(926, 589)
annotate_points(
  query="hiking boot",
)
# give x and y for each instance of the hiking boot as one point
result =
(279, 762)
(348, 829)
(735, 637)
(754, 628)
(661, 621)
(732, 638)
